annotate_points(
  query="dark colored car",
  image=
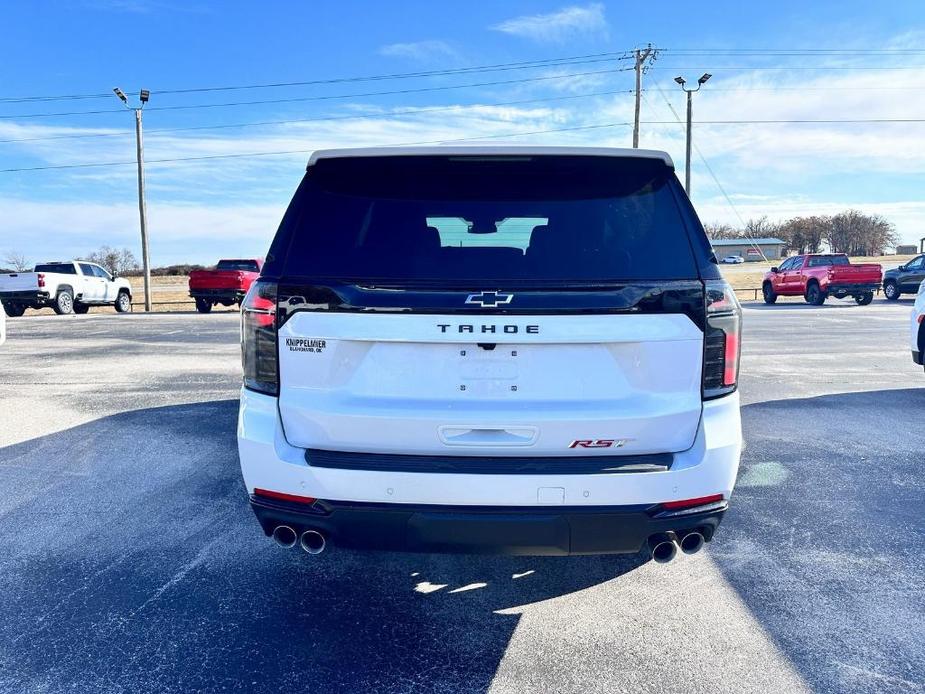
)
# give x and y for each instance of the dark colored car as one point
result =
(904, 279)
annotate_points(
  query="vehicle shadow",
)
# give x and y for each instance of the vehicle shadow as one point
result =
(826, 533)
(133, 563)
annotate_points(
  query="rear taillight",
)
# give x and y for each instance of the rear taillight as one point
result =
(258, 338)
(41, 279)
(722, 338)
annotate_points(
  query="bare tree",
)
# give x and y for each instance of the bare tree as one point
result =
(804, 234)
(856, 233)
(17, 261)
(115, 261)
(720, 230)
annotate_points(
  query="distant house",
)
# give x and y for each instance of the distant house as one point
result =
(907, 250)
(772, 248)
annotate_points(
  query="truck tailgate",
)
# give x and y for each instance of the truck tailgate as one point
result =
(864, 272)
(216, 279)
(19, 282)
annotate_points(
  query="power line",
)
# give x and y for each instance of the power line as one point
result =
(328, 97)
(389, 114)
(596, 126)
(238, 155)
(496, 67)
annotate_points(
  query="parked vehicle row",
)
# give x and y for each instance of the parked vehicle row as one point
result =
(67, 287)
(817, 276)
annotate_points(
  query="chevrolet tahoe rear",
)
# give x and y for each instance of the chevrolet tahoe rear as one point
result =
(525, 350)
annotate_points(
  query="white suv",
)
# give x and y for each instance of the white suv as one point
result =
(490, 349)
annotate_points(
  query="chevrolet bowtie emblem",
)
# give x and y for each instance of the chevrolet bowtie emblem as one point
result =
(489, 299)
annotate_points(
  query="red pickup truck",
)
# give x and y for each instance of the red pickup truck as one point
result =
(226, 284)
(816, 277)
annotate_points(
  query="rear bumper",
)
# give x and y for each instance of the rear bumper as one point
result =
(855, 288)
(218, 294)
(525, 512)
(512, 530)
(26, 297)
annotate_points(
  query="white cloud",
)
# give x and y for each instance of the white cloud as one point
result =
(420, 50)
(559, 26)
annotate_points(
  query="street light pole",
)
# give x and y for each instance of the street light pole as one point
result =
(690, 119)
(142, 205)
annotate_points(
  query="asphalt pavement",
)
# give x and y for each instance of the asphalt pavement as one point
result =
(131, 561)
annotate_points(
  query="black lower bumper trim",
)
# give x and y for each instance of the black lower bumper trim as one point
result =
(217, 294)
(482, 530)
(490, 465)
(845, 289)
(917, 357)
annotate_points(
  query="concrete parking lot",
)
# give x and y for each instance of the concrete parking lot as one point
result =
(131, 561)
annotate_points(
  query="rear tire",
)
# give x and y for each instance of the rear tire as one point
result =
(891, 291)
(814, 295)
(14, 310)
(864, 299)
(203, 305)
(123, 302)
(767, 291)
(81, 308)
(64, 302)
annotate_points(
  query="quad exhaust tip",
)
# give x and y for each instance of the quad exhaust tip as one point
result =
(663, 549)
(285, 536)
(692, 543)
(312, 542)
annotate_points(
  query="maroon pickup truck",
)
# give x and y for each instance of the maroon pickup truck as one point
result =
(226, 284)
(816, 277)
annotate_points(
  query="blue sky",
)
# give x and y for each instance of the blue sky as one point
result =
(202, 209)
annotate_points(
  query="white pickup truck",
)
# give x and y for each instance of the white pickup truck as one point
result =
(67, 287)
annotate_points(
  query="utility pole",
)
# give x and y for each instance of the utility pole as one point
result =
(641, 57)
(142, 206)
(690, 118)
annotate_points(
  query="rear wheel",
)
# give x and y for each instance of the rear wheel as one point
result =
(81, 308)
(203, 305)
(814, 295)
(891, 290)
(123, 302)
(64, 302)
(770, 296)
(14, 310)
(864, 299)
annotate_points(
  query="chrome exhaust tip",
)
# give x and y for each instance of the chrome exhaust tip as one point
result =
(285, 536)
(663, 548)
(312, 542)
(692, 543)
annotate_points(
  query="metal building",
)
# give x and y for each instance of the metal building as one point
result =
(748, 248)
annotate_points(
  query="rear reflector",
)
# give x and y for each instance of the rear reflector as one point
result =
(280, 496)
(691, 503)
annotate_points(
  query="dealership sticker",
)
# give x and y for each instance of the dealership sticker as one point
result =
(302, 344)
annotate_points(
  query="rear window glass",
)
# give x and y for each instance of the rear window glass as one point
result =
(61, 268)
(823, 260)
(476, 219)
(244, 265)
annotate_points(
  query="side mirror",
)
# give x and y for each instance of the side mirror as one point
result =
(901, 268)
(775, 269)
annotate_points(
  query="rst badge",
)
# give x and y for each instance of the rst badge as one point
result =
(598, 443)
